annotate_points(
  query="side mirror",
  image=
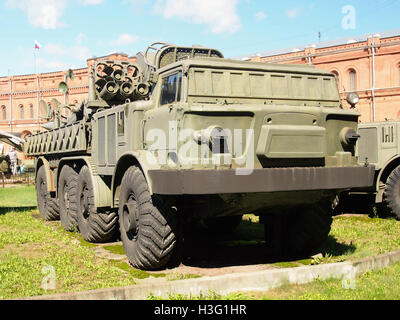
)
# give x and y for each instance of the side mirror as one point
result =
(353, 99)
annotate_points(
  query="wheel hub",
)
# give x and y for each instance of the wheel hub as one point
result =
(66, 197)
(130, 219)
(85, 202)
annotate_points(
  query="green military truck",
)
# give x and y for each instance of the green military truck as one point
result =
(184, 136)
(378, 145)
(5, 166)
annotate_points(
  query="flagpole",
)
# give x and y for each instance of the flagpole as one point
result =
(37, 46)
(34, 60)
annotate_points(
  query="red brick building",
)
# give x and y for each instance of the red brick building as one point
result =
(368, 65)
(20, 96)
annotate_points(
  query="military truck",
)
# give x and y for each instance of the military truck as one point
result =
(379, 145)
(184, 136)
(5, 166)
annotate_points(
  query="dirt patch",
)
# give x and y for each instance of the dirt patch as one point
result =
(204, 260)
(4, 229)
(27, 250)
(16, 185)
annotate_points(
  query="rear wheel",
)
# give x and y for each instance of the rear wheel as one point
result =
(67, 191)
(298, 233)
(148, 227)
(48, 207)
(391, 196)
(94, 226)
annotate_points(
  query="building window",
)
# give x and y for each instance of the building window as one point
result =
(21, 112)
(398, 73)
(3, 113)
(352, 80)
(31, 114)
(336, 74)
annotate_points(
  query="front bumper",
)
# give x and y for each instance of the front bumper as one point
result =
(179, 182)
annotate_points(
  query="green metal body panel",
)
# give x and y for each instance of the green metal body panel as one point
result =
(379, 145)
(205, 114)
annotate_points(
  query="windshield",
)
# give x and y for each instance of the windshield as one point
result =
(171, 88)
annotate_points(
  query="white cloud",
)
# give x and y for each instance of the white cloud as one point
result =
(44, 64)
(44, 14)
(293, 13)
(219, 15)
(90, 2)
(78, 51)
(80, 38)
(125, 39)
(260, 15)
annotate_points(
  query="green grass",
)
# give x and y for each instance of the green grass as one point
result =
(357, 237)
(379, 285)
(383, 284)
(117, 249)
(28, 244)
(12, 197)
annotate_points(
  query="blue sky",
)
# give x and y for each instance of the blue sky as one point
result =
(70, 31)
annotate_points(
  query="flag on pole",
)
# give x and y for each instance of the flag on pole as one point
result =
(37, 45)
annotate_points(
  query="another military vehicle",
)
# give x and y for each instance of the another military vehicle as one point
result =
(379, 145)
(5, 165)
(185, 136)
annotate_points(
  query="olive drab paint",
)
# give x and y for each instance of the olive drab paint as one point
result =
(223, 136)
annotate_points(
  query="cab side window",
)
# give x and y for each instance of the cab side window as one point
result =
(171, 88)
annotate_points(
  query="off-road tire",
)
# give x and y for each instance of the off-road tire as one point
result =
(148, 227)
(67, 197)
(297, 233)
(48, 207)
(391, 196)
(94, 226)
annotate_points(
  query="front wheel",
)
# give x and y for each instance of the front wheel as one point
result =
(148, 227)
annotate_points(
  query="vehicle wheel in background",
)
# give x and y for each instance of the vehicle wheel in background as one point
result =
(67, 197)
(48, 207)
(298, 233)
(222, 225)
(94, 226)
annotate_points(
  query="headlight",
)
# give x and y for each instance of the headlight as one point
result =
(353, 99)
